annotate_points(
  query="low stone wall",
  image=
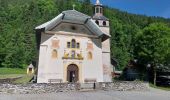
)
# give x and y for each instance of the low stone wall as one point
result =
(37, 88)
(65, 87)
(124, 86)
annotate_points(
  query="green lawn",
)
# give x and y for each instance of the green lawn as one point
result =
(15, 73)
(25, 79)
(5, 76)
(12, 71)
(159, 87)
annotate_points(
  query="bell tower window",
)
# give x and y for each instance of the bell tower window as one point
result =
(97, 22)
(97, 9)
(101, 10)
(104, 23)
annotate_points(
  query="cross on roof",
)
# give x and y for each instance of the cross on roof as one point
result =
(97, 2)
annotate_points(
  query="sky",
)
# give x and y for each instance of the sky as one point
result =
(145, 7)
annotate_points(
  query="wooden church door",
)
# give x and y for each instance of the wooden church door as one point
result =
(72, 73)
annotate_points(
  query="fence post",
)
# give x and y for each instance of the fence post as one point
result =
(94, 85)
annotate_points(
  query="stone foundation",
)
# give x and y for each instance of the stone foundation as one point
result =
(123, 86)
(65, 87)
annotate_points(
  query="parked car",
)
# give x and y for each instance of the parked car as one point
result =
(163, 80)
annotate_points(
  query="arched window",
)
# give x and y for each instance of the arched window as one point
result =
(68, 44)
(97, 9)
(73, 43)
(101, 10)
(89, 56)
(54, 54)
(78, 45)
(104, 23)
(97, 22)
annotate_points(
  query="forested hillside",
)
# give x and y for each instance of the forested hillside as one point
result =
(133, 36)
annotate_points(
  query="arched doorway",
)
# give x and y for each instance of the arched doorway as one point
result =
(72, 73)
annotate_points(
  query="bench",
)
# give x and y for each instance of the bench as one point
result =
(90, 80)
(54, 80)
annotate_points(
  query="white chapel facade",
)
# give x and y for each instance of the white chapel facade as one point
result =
(74, 47)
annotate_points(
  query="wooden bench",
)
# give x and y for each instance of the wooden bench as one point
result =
(54, 80)
(90, 80)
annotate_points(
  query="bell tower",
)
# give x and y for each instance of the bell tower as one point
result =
(98, 8)
(103, 24)
(100, 19)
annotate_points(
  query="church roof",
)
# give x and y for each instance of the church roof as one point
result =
(76, 17)
(100, 17)
(75, 14)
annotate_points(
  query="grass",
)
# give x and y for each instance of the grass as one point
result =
(160, 87)
(4, 71)
(15, 73)
(5, 76)
(25, 79)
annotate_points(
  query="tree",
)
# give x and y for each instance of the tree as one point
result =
(18, 18)
(86, 7)
(153, 45)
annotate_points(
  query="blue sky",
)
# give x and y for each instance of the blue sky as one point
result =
(145, 7)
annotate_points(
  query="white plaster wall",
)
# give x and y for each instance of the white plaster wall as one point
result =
(49, 68)
(107, 77)
(67, 27)
(106, 63)
(41, 66)
(92, 69)
(105, 30)
(106, 46)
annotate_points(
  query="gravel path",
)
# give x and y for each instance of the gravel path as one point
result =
(154, 94)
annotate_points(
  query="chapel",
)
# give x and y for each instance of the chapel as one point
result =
(74, 47)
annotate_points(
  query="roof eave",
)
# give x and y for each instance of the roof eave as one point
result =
(104, 37)
(48, 25)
